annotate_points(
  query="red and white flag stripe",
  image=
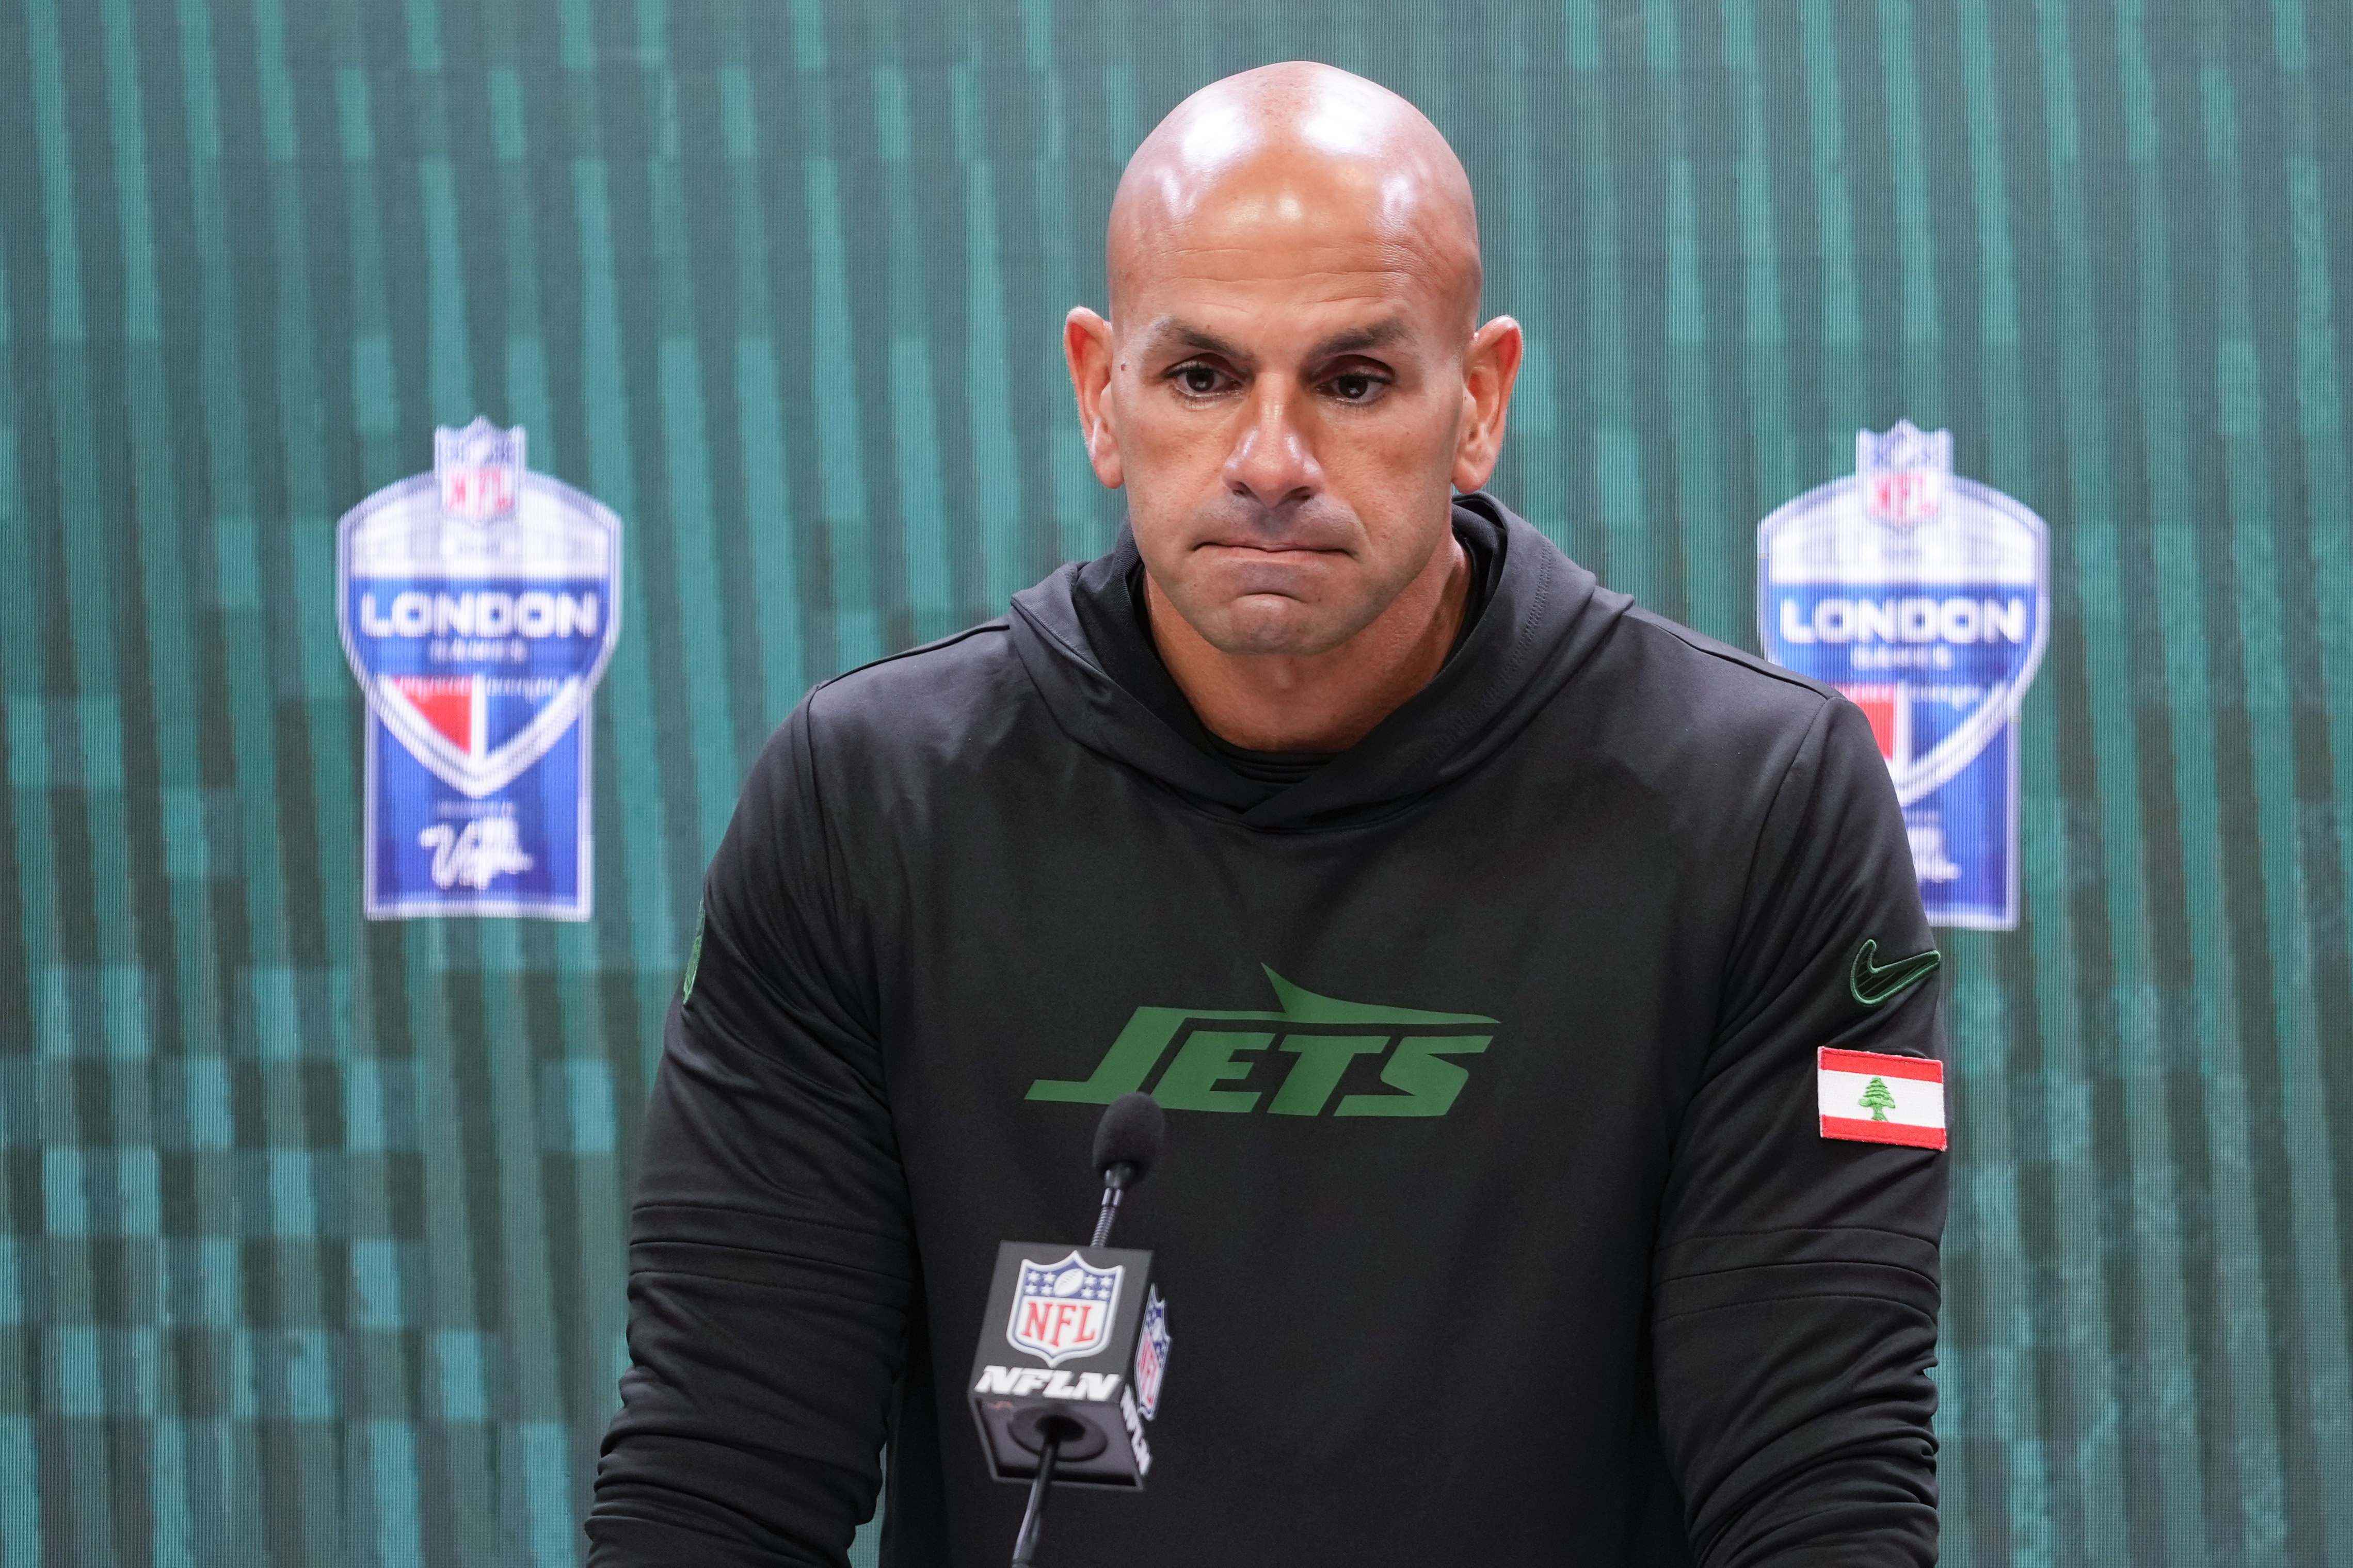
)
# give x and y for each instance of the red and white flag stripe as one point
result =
(1875, 1098)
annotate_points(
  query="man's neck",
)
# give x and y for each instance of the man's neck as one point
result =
(1327, 701)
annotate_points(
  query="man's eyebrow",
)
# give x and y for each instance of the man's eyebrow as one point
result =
(1356, 340)
(1171, 333)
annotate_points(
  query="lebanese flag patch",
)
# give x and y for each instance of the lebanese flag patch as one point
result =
(1875, 1098)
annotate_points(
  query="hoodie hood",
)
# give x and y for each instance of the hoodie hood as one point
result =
(1543, 617)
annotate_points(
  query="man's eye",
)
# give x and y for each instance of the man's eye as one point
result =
(1198, 379)
(1355, 387)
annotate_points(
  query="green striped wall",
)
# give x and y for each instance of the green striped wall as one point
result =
(311, 1230)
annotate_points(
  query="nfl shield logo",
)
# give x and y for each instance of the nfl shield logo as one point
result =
(479, 469)
(1923, 599)
(1904, 472)
(478, 604)
(1152, 1354)
(1064, 1310)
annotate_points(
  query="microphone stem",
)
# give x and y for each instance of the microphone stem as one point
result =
(1102, 1220)
(1033, 1518)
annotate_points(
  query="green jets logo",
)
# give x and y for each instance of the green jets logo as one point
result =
(1300, 1053)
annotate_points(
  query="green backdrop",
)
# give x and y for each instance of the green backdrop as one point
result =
(311, 1230)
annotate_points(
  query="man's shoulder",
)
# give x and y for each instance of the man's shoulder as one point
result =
(1700, 750)
(940, 695)
(1676, 663)
(1699, 720)
(979, 652)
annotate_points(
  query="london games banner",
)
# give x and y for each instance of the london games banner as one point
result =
(1924, 598)
(478, 604)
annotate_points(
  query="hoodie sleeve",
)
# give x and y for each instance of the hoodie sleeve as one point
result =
(770, 1259)
(1796, 1284)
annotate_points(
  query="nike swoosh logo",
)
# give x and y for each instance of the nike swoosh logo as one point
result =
(1873, 984)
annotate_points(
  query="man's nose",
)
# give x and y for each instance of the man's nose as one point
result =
(1272, 461)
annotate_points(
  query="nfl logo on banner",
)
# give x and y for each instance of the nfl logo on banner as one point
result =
(478, 604)
(1064, 1310)
(1924, 598)
(1151, 1355)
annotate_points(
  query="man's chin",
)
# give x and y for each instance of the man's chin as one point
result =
(1270, 626)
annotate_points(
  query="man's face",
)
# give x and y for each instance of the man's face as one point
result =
(1286, 407)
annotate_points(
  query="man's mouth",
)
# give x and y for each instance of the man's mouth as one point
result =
(1272, 547)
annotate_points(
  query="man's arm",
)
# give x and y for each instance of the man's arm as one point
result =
(1795, 1282)
(771, 1261)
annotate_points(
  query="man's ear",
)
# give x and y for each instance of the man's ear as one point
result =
(1491, 364)
(1086, 343)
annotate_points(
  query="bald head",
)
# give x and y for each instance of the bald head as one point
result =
(1305, 158)
(1290, 388)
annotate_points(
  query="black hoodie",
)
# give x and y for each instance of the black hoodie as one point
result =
(1497, 1223)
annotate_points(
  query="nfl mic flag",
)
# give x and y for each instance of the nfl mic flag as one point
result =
(1061, 1338)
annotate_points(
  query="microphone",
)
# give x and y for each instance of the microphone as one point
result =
(1128, 1141)
(1088, 1337)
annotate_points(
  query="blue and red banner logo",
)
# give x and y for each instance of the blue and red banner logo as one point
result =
(1064, 1309)
(1924, 599)
(478, 604)
(1152, 1354)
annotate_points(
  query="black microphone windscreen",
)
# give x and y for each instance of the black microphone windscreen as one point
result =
(1132, 1132)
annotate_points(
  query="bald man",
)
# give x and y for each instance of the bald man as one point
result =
(1480, 934)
